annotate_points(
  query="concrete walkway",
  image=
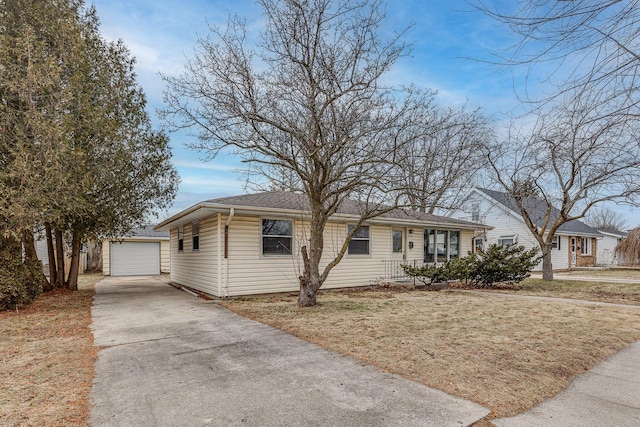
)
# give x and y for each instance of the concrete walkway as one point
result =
(587, 278)
(607, 395)
(169, 359)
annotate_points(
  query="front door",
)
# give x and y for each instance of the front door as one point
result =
(572, 253)
(398, 243)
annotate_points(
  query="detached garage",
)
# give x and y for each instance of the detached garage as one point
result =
(145, 252)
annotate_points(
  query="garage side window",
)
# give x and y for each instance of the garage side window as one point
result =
(195, 235)
(180, 239)
(277, 236)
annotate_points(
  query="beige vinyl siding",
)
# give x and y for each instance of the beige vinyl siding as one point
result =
(466, 242)
(249, 272)
(165, 256)
(106, 258)
(196, 269)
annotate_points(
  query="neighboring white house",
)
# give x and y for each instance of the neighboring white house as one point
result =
(43, 255)
(250, 244)
(143, 252)
(607, 247)
(575, 245)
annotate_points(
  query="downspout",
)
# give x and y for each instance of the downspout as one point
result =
(225, 291)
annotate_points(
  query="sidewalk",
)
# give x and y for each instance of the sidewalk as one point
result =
(560, 276)
(607, 395)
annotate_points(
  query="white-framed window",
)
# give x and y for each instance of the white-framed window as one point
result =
(555, 244)
(508, 240)
(585, 247)
(195, 236)
(359, 244)
(397, 241)
(277, 236)
(475, 212)
(180, 238)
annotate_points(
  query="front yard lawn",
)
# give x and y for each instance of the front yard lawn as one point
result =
(505, 354)
(621, 293)
(46, 359)
(617, 273)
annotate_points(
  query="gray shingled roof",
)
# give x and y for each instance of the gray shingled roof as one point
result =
(147, 231)
(298, 201)
(537, 210)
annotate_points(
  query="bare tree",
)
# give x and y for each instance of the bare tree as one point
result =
(444, 156)
(628, 249)
(306, 107)
(574, 44)
(574, 157)
(604, 218)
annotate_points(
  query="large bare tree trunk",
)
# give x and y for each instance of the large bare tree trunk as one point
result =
(547, 267)
(311, 280)
(307, 296)
(60, 259)
(72, 281)
(53, 273)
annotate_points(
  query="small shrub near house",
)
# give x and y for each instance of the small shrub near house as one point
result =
(485, 269)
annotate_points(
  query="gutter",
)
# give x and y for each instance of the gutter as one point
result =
(225, 289)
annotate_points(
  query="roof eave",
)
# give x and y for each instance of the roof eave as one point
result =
(204, 209)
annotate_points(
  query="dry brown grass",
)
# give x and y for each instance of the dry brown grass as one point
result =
(508, 355)
(46, 359)
(619, 293)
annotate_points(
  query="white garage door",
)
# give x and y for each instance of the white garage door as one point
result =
(135, 258)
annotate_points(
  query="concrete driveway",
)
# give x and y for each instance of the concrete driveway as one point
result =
(169, 359)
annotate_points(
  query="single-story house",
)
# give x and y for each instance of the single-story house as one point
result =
(607, 247)
(575, 245)
(250, 244)
(144, 251)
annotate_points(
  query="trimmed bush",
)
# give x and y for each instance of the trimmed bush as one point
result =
(497, 264)
(503, 264)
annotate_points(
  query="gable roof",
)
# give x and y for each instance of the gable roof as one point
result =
(537, 210)
(282, 202)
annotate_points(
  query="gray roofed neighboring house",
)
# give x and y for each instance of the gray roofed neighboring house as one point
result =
(537, 209)
(576, 244)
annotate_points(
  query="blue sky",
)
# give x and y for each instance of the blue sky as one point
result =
(446, 35)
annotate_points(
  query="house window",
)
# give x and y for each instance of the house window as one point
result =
(507, 240)
(359, 244)
(180, 239)
(441, 245)
(397, 241)
(585, 248)
(475, 212)
(454, 244)
(555, 244)
(478, 244)
(277, 237)
(195, 236)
